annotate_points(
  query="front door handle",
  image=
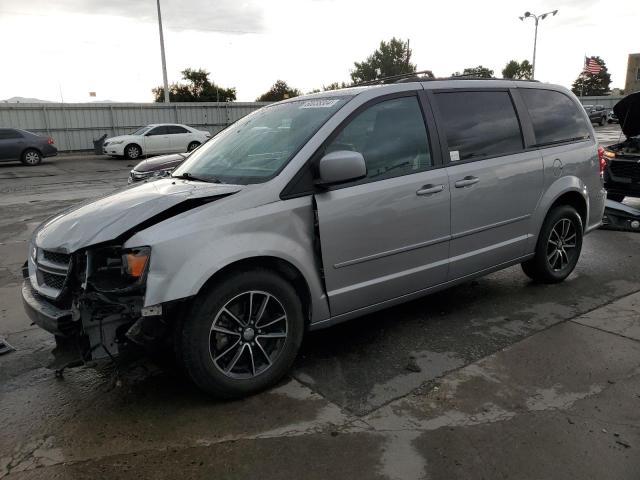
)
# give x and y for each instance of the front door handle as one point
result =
(430, 190)
(467, 182)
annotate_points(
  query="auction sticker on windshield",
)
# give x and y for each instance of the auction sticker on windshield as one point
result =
(319, 103)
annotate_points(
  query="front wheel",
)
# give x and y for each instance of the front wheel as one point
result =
(558, 247)
(132, 151)
(243, 334)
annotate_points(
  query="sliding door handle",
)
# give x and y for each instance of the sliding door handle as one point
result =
(430, 190)
(467, 182)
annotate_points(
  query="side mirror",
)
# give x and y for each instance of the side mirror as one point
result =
(340, 167)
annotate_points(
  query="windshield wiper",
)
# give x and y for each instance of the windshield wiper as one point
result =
(188, 176)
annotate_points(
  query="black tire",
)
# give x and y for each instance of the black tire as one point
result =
(547, 266)
(31, 157)
(203, 350)
(616, 197)
(132, 151)
(192, 146)
(609, 122)
(602, 121)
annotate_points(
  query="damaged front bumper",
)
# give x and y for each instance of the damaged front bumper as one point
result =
(96, 319)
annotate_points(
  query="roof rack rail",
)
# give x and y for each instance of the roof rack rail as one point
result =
(407, 77)
(472, 77)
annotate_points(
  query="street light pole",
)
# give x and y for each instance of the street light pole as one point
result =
(536, 18)
(164, 61)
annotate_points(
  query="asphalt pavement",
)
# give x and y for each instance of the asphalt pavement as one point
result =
(496, 378)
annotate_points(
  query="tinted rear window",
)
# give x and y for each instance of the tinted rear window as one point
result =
(479, 124)
(555, 117)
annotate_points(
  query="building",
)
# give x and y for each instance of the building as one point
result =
(633, 74)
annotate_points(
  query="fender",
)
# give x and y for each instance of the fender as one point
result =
(552, 193)
(190, 250)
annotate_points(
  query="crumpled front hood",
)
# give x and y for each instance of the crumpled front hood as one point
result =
(628, 112)
(111, 216)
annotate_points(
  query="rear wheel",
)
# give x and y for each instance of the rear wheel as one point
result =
(616, 197)
(243, 334)
(132, 151)
(558, 248)
(602, 121)
(193, 146)
(31, 157)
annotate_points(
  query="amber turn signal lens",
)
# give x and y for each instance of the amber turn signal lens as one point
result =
(136, 262)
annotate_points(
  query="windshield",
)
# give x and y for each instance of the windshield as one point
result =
(141, 131)
(255, 148)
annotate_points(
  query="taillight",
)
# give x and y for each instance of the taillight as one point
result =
(601, 160)
(50, 141)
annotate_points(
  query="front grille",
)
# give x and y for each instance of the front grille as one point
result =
(55, 257)
(52, 269)
(53, 280)
(625, 169)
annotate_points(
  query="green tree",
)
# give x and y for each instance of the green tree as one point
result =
(197, 89)
(518, 70)
(479, 71)
(593, 84)
(391, 58)
(278, 91)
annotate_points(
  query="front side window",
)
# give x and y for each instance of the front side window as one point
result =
(391, 136)
(255, 148)
(555, 118)
(479, 124)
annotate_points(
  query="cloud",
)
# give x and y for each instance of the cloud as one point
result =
(228, 16)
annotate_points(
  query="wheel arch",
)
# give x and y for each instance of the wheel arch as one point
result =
(568, 190)
(124, 150)
(276, 264)
(30, 147)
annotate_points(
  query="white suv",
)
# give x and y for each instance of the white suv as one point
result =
(154, 139)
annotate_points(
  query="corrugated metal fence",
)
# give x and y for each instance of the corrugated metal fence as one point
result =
(607, 101)
(74, 126)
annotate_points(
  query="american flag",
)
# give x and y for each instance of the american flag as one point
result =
(591, 66)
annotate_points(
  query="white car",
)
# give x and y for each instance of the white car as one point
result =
(154, 139)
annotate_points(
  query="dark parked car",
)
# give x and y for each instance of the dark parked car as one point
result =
(622, 175)
(597, 113)
(156, 167)
(29, 148)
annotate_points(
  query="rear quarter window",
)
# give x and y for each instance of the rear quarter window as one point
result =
(555, 117)
(7, 134)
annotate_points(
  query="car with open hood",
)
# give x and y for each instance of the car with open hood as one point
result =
(622, 175)
(155, 167)
(316, 210)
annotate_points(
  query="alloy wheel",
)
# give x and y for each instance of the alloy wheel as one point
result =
(248, 334)
(561, 246)
(133, 152)
(32, 158)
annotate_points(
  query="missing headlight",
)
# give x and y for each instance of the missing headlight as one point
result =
(114, 268)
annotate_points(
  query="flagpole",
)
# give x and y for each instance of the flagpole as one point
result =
(584, 63)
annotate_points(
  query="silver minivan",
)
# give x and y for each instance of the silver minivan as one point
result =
(316, 210)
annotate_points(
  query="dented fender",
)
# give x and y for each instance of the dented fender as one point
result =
(188, 250)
